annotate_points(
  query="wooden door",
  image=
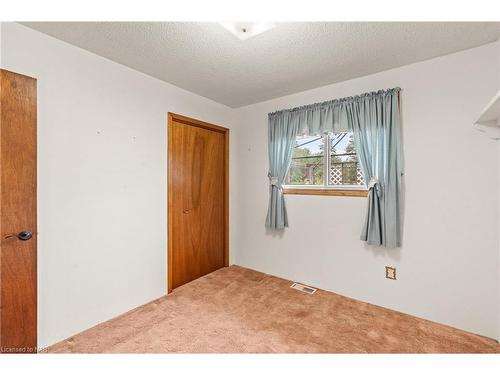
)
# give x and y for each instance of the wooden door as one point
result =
(18, 280)
(197, 199)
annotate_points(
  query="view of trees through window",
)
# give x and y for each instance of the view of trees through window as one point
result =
(307, 161)
(309, 158)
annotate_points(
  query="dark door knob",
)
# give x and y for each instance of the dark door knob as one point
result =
(25, 235)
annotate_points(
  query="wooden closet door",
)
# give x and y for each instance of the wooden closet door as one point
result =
(197, 199)
(18, 250)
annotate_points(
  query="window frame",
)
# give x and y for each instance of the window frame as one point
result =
(326, 189)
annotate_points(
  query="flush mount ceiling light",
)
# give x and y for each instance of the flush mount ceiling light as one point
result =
(245, 30)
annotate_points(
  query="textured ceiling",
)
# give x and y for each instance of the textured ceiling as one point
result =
(206, 59)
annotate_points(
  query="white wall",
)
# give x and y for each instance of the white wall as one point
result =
(101, 179)
(448, 266)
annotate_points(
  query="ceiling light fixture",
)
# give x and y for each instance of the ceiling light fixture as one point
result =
(245, 30)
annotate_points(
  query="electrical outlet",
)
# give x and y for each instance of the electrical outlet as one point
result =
(390, 273)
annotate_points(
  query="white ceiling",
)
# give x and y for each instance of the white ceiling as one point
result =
(206, 59)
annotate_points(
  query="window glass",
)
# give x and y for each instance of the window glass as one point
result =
(344, 166)
(310, 156)
(307, 166)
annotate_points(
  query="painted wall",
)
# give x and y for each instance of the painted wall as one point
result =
(102, 179)
(448, 267)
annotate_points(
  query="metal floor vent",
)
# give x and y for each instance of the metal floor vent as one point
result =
(303, 288)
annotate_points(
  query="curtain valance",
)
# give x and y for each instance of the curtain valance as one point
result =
(329, 116)
(374, 120)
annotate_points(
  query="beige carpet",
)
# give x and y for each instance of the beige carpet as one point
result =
(236, 310)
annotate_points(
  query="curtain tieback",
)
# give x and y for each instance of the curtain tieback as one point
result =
(374, 184)
(373, 181)
(273, 180)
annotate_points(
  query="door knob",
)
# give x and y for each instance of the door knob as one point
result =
(25, 235)
(185, 211)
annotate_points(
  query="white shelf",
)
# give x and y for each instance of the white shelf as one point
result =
(489, 120)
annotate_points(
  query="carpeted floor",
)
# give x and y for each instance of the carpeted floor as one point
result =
(236, 310)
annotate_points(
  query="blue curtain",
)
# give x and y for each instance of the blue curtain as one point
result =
(375, 123)
(374, 120)
(282, 133)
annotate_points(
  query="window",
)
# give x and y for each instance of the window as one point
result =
(308, 158)
(325, 164)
